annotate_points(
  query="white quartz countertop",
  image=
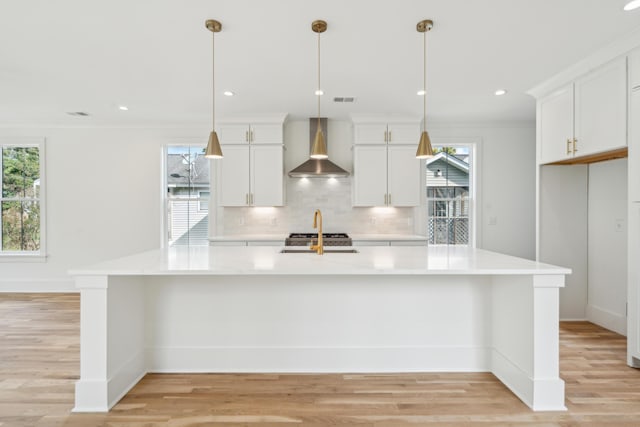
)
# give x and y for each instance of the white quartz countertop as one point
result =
(268, 260)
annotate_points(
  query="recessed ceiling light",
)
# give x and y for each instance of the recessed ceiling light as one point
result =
(78, 113)
(633, 4)
(500, 92)
(319, 92)
(123, 107)
(228, 93)
(421, 92)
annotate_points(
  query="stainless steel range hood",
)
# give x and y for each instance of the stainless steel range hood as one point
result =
(318, 168)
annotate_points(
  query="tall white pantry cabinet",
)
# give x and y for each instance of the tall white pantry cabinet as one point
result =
(588, 114)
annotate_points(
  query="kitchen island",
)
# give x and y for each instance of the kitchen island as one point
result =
(382, 309)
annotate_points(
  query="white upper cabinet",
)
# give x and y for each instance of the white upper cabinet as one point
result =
(586, 117)
(370, 175)
(555, 116)
(371, 133)
(634, 69)
(403, 133)
(251, 173)
(234, 178)
(385, 169)
(601, 109)
(403, 176)
(267, 171)
(391, 133)
(245, 133)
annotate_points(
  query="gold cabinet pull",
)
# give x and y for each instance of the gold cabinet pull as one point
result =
(251, 198)
(385, 140)
(246, 199)
(568, 146)
(246, 136)
(389, 137)
(385, 199)
(575, 142)
(251, 138)
(389, 199)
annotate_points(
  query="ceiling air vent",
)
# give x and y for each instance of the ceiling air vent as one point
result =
(344, 99)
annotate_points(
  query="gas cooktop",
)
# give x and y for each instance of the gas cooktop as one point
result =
(329, 239)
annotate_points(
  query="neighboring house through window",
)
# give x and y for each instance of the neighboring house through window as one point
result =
(22, 198)
(449, 195)
(187, 207)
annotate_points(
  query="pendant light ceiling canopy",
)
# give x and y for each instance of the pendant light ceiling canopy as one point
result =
(425, 150)
(213, 151)
(319, 148)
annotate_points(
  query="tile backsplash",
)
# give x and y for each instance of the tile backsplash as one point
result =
(303, 196)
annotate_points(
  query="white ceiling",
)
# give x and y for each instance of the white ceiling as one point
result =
(155, 57)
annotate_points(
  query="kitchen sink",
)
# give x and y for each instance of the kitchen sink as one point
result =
(326, 251)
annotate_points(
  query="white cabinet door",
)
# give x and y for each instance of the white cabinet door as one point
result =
(233, 181)
(233, 134)
(634, 147)
(634, 69)
(403, 133)
(369, 175)
(267, 182)
(555, 115)
(266, 133)
(371, 133)
(403, 176)
(601, 109)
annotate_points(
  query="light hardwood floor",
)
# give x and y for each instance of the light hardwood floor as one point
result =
(39, 353)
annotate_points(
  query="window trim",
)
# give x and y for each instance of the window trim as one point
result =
(40, 255)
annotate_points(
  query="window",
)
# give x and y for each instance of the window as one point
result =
(21, 200)
(187, 195)
(449, 201)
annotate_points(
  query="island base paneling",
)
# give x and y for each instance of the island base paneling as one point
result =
(505, 324)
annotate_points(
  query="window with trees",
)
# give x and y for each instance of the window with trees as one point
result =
(449, 179)
(21, 200)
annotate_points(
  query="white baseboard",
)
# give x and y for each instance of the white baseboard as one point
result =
(607, 319)
(538, 394)
(318, 360)
(37, 285)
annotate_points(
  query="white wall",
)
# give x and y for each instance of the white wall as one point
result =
(506, 184)
(563, 219)
(607, 259)
(103, 200)
(104, 192)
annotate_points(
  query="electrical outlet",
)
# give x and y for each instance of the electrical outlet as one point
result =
(619, 225)
(493, 220)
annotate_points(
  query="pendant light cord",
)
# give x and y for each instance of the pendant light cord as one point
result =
(213, 80)
(318, 90)
(424, 87)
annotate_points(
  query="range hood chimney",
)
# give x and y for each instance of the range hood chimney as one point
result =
(317, 168)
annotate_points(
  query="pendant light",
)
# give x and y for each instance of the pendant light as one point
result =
(213, 146)
(319, 148)
(424, 147)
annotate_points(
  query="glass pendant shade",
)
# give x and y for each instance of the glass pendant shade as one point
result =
(214, 151)
(319, 148)
(424, 147)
